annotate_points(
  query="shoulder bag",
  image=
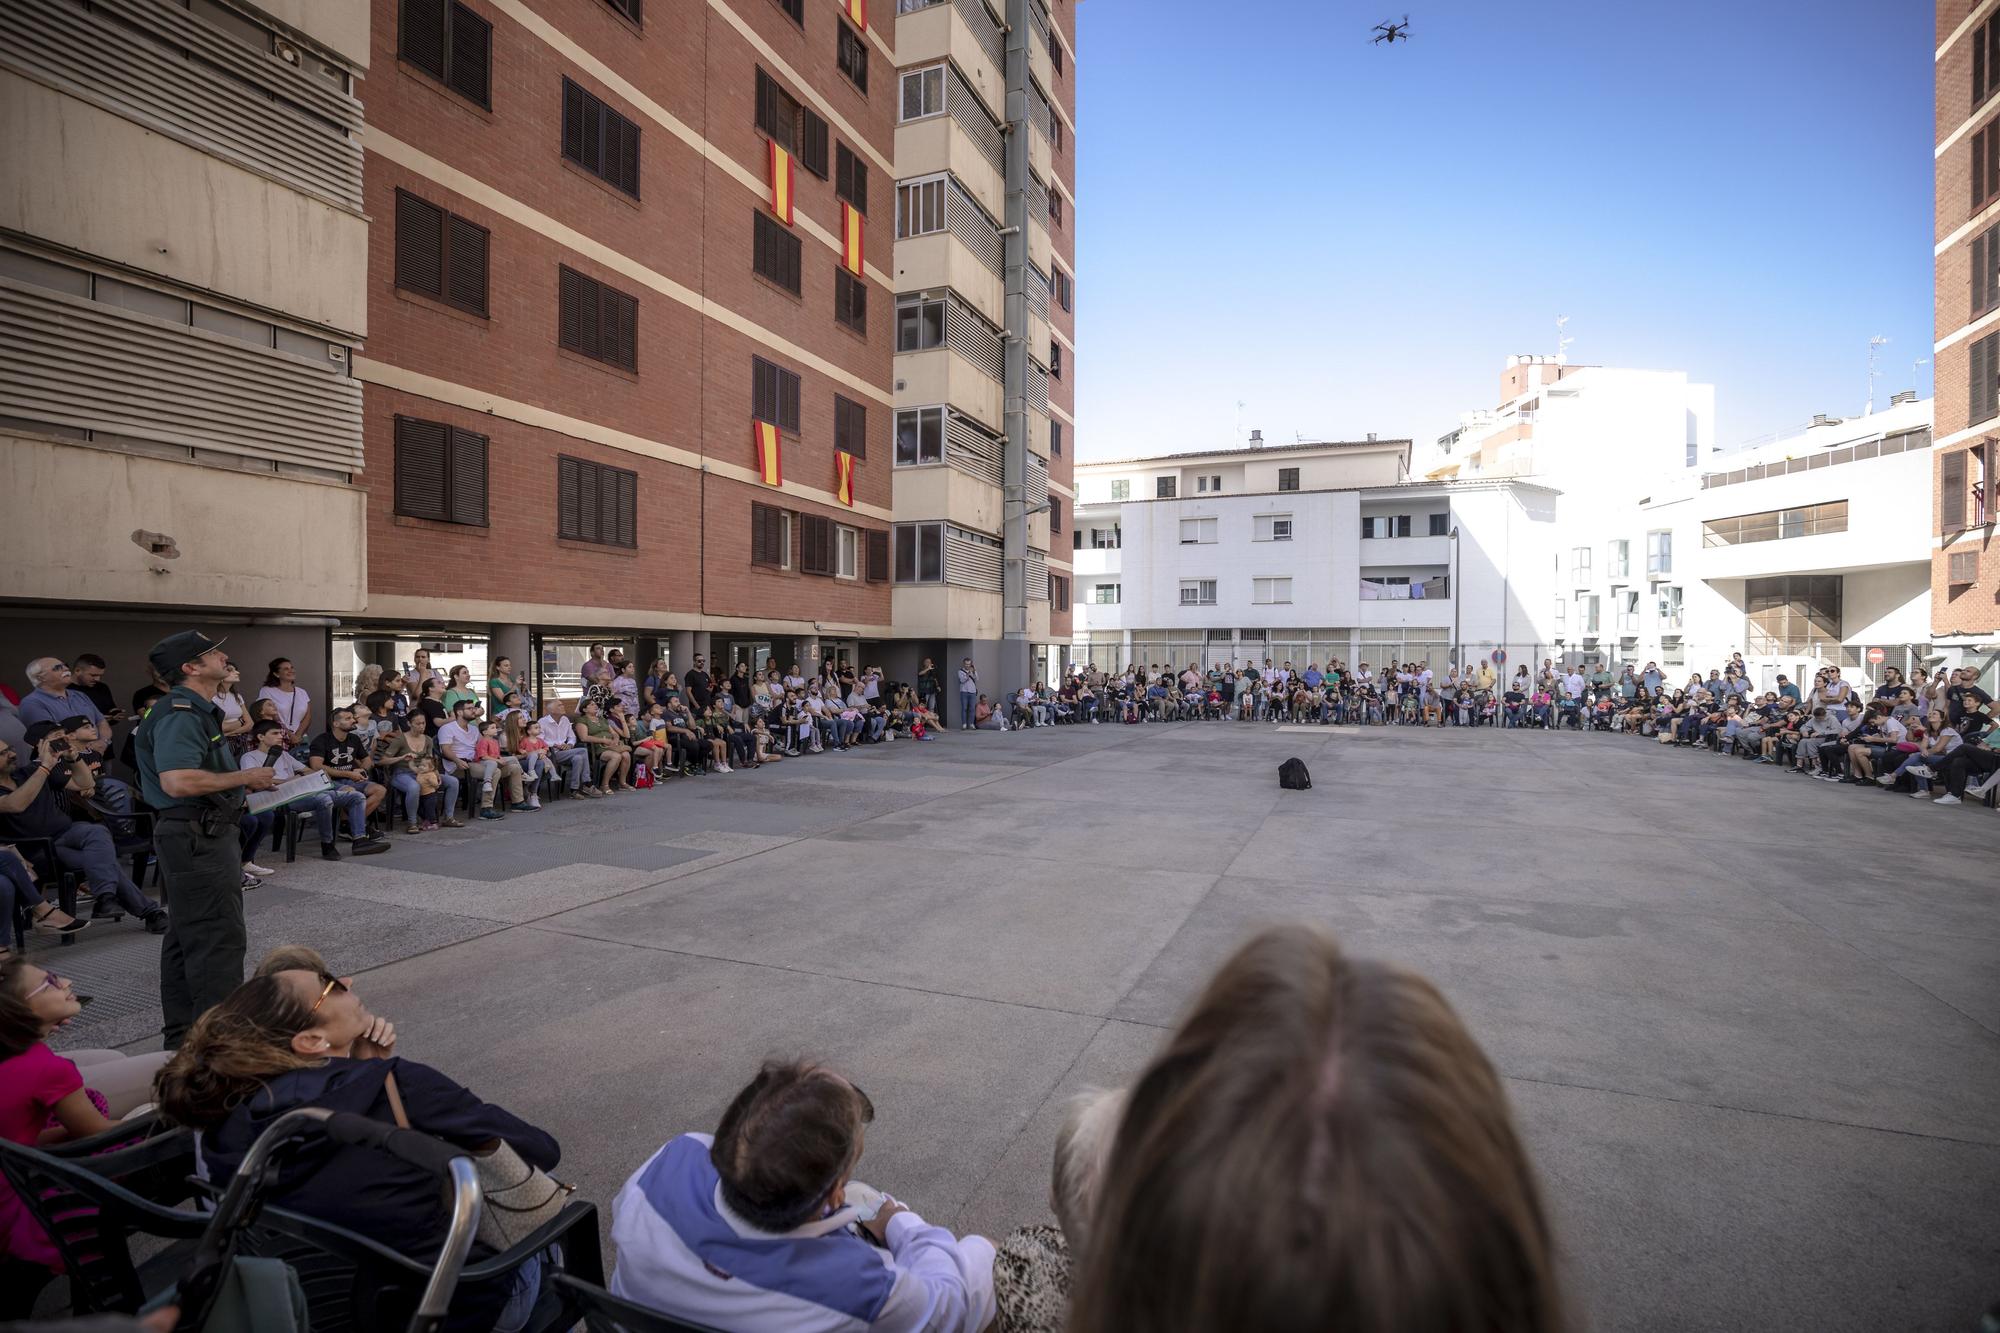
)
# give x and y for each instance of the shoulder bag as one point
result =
(518, 1198)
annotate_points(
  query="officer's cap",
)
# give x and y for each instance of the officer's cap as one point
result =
(170, 653)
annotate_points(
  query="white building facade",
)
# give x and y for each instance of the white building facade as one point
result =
(1304, 553)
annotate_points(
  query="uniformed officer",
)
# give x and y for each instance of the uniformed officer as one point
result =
(187, 774)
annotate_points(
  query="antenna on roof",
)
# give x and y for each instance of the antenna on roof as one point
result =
(1917, 375)
(1238, 437)
(1563, 340)
(1873, 344)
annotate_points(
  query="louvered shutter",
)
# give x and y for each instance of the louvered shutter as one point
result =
(788, 401)
(1982, 283)
(627, 176)
(1951, 493)
(466, 272)
(1981, 373)
(766, 104)
(763, 390)
(878, 555)
(421, 35)
(421, 448)
(568, 490)
(586, 503)
(471, 55)
(419, 237)
(468, 478)
(570, 302)
(619, 315)
(628, 508)
(1979, 66)
(1979, 168)
(572, 122)
(813, 143)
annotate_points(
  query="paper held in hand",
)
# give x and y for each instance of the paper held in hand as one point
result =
(304, 785)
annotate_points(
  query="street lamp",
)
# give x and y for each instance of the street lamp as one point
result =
(1457, 594)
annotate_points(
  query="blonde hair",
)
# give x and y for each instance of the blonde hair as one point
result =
(232, 1051)
(1083, 1149)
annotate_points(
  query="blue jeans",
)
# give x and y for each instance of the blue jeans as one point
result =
(87, 848)
(16, 892)
(968, 707)
(324, 806)
(405, 784)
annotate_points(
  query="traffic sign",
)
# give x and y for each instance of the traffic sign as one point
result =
(1875, 656)
(1499, 657)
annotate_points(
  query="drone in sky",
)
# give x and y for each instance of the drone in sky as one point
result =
(1392, 32)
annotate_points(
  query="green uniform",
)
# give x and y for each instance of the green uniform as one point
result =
(201, 862)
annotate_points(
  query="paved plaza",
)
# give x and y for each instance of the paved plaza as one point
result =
(1750, 1023)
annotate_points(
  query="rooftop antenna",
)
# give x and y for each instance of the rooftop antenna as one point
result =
(1563, 340)
(1873, 345)
(1239, 421)
(1917, 374)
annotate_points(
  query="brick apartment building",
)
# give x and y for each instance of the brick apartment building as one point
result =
(1965, 568)
(586, 289)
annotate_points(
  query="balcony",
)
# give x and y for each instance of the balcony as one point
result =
(942, 143)
(938, 260)
(1406, 550)
(962, 31)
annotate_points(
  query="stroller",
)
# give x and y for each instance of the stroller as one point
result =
(213, 1288)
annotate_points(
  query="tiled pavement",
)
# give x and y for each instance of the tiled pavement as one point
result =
(1751, 1023)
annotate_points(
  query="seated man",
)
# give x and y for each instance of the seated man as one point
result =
(571, 759)
(34, 803)
(344, 756)
(267, 750)
(458, 739)
(757, 1227)
(1877, 739)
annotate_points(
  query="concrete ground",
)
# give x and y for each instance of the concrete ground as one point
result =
(1750, 1023)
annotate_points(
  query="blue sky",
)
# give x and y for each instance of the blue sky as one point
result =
(1352, 238)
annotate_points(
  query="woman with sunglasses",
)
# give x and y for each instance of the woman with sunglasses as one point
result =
(297, 1037)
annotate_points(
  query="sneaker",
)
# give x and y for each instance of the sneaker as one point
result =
(329, 852)
(1981, 788)
(252, 868)
(250, 882)
(1921, 795)
(523, 807)
(1920, 770)
(531, 805)
(156, 921)
(1887, 779)
(1947, 799)
(368, 846)
(490, 813)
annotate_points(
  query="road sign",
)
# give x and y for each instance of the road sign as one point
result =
(1499, 657)
(1875, 656)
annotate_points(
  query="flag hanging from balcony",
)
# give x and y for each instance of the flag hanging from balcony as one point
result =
(843, 469)
(850, 237)
(858, 11)
(781, 184)
(769, 468)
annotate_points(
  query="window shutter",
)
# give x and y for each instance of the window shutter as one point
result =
(466, 279)
(813, 144)
(570, 303)
(878, 555)
(1979, 66)
(421, 447)
(586, 503)
(421, 35)
(767, 117)
(815, 544)
(419, 241)
(593, 135)
(627, 309)
(569, 484)
(471, 55)
(1982, 282)
(572, 122)
(627, 178)
(1978, 168)
(468, 478)
(1951, 492)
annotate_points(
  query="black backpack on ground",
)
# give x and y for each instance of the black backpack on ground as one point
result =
(1292, 775)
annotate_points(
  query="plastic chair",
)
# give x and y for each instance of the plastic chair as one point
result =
(91, 1207)
(604, 1313)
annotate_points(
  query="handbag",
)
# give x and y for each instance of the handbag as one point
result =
(519, 1198)
(642, 775)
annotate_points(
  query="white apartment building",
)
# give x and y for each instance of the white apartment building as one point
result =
(1304, 553)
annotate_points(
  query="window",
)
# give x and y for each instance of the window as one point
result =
(1775, 525)
(850, 427)
(1985, 42)
(1164, 488)
(599, 140)
(1586, 613)
(1055, 513)
(1618, 559)
(1065, 287)
(1106, 594)
(1272, 528)
(440, 255)
(851, 54)
(1107, 539)
(920, 207)
(440, 472)
(1579, 565)
(1059, 591)
(920, 553)
(1197, 592)
(1288, 478)
(1121, 490)
(850, 178)
(1983, 371)
(816, 544)
(777, 253)
(451, 44)
(791, 125)
(1669, 605)
(1271, 592)
(794, 10)
(595, 503)
(850, 299)
(631, 9)
(770, 536)
(1440, 525)
(847, 552)
(923, 93)
(1386, 525)
(919, 436)
(919, 325)
(1627, 606)
(1078, 542)
(1985, 166)
(1055, 57)
(1056, 143)
(1659, 554)
(1562, 613)
(1985, 271)
(597, 321)
(774, 395)
(1790, 614)
(1055, 360)
(878, 555)
(1198, 531)
(1055, 208)
(1964, 568)
(1055, 438)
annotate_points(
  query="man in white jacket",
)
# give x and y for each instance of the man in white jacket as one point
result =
(761, 1227)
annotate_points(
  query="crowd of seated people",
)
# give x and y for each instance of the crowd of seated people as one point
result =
(1405, 693)
(1319, 1144)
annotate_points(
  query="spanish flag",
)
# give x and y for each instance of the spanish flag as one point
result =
(850, 237)
(769, 466)
(843, 468)
(782, 191)
(858, 11)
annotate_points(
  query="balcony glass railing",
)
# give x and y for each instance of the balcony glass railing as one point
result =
(1423, 590)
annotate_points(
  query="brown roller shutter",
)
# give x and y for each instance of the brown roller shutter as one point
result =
(878, 555)
(420, 35)
(419, 245)
(465, 275)
(813, 143)
(569, 485)
(815, 544)
(471, 56)
(421, 452)
(1951, 492)
(468, 478)
(572, 121)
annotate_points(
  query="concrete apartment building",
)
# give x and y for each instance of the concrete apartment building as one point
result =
(1965, 558)
(1305, 553)
(985, 374)
(184, 240)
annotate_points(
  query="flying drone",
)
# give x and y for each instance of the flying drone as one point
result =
(1392, 32)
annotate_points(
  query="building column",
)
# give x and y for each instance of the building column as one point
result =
(680, 650)
(805, 651)
(514, 641)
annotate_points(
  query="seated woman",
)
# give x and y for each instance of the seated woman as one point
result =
(410, 759)
(18, 888)
(1032, 1268)
(1320, 1145)
(609, 753)
(293, 1038)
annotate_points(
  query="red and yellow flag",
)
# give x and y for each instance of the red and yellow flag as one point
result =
(770, 469)
(782, 191)
(850, 237)
(843, 470)
(858, 11)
